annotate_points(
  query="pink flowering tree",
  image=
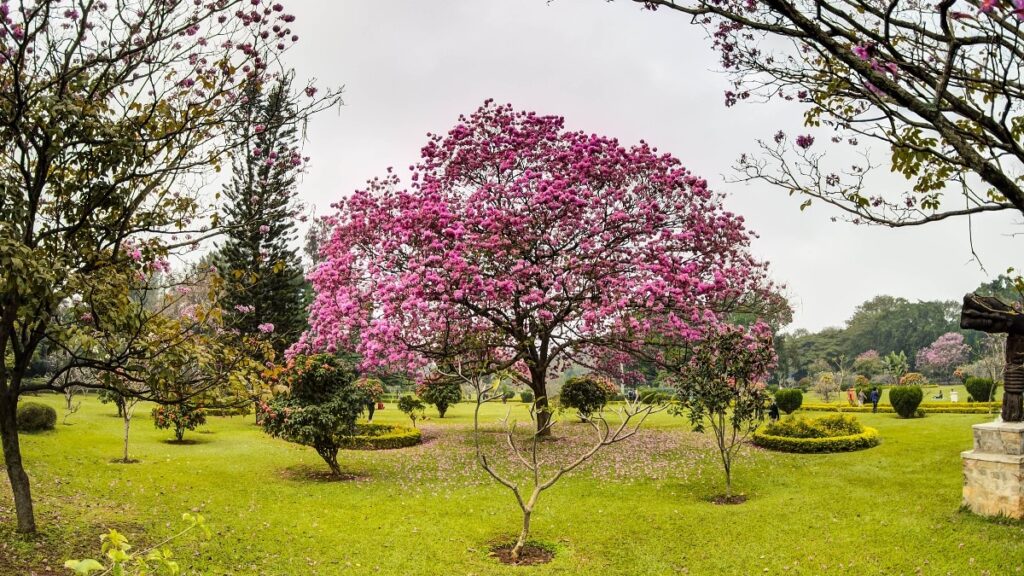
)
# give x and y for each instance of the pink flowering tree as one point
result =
(112, 115)
(940, 358)
(936, 85)
(558, 245)
(720, 385)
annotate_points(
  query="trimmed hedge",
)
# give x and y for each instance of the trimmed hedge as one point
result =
(866, 439)
(381, 437)
(789, 399)
(905, 400)
(947, 408)
(35, 417)
(836, 433)
(243, 410)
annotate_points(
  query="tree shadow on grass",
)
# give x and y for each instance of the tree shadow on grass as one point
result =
(306, 473)
(186, 441)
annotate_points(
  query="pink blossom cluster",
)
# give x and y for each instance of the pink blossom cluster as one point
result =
(521, 234)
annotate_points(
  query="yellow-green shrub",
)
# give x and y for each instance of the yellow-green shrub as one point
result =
(381, 437)
(836, 433)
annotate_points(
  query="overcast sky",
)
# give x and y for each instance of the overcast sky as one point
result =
(412, 66)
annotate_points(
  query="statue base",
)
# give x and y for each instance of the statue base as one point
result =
(994, 470)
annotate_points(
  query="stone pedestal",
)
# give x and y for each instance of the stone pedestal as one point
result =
(994, 470)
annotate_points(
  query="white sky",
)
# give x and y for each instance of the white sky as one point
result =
(412, 66)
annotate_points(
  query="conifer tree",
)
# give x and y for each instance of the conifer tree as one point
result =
(262, 270)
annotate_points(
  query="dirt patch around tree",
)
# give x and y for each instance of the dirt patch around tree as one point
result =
(724, 500)
(532, 554)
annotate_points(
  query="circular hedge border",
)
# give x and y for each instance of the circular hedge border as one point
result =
(381, 437)
(866, 439)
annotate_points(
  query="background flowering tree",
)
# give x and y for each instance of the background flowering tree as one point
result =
(939, 84)
(558, 245)
(940, 358)
(111, 113)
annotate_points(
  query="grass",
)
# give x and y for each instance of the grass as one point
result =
(641, 508)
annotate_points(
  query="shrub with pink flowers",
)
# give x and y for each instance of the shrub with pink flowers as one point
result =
(180, 417)
(320, 407)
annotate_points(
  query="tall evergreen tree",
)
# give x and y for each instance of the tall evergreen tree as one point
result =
(259, 262)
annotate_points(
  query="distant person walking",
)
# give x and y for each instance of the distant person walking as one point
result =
(773, 411)
(851, 396)
(875, 397)
(861, 398)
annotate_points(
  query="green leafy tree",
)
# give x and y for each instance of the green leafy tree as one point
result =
(412, 407)
(320, 407)
(720, 387)
(263, 274)
(110, 117)
(440, 391)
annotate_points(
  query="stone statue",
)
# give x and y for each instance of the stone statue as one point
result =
(992, 315)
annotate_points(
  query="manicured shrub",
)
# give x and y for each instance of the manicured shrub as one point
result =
(381, 437)
(981, 389)
(586, 394)
(526, 396)
(924, 408)
(439, 391)
(816, 435)
(412, 406)
(181, 417)
(655, 395)
(913, 379)
(789, 399)
(35, 417)
(243, 410)
(320, 408)
(905, 400)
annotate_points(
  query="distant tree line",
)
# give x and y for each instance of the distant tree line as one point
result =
(886, 324)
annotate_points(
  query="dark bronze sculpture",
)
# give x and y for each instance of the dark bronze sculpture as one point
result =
(992, 315)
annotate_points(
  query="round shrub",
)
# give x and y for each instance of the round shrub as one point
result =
(981, 389)
(381, 437)
(526, 396)
(913, 379)
(834, 433)
(181, 417)
(36, 417)
(789, 399)
(586, 394)
(439, 391)
(320, 407)
(905, 400)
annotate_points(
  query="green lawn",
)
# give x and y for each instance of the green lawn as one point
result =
(641, 508)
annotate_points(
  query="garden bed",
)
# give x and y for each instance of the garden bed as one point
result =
(816, 435)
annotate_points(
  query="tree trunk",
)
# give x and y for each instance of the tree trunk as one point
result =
(127, 427)
(15, 470)
(517, 550)
(179, 433)
(330, 456)
(538, 383)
